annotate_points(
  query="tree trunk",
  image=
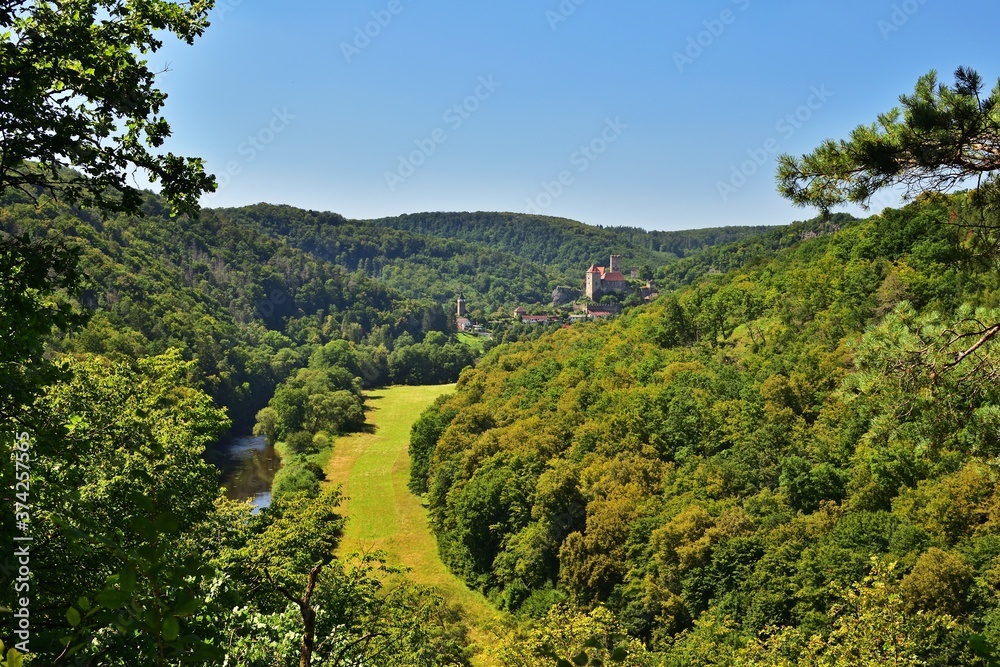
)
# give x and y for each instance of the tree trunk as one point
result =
(308, 619)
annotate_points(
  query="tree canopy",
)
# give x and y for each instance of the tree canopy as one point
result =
(942, 137)
(79, 107)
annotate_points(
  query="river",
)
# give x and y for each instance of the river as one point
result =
(247, 465)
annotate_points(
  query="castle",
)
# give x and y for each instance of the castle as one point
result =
(604, 280)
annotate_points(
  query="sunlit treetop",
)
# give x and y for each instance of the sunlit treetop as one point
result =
(942, 137)
(80, 114)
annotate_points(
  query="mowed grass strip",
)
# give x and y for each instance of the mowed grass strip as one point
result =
(374, 469)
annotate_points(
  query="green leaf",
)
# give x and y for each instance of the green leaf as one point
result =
(166, 523)
(143, 502)
(73, 616)
(171, 628)
(564, 663)
(593, 642)
(206, 652)
(83, 603)
(127, 578)
(14, 658)
(619, 654)
(186, 608)
(581, 659)
(112, 598)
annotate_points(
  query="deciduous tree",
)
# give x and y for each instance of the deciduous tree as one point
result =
(80, 113)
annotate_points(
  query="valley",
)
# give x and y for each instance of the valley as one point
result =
(373, 469)
(398, 425)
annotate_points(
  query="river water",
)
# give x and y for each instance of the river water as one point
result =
(247, 465)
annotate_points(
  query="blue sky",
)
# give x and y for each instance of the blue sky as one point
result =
(611, 113)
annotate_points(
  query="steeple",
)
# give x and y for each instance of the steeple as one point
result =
(461, 304)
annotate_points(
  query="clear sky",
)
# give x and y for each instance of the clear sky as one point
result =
(663, 115)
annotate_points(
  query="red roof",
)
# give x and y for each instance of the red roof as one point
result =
(617, 275)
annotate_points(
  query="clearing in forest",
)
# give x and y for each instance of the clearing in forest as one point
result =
(374, 468)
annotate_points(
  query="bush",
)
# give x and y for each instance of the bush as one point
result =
(295, 478)
(300, 442)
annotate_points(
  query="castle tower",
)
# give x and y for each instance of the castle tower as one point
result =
(461, 304)
(593, 286)
(616, 264)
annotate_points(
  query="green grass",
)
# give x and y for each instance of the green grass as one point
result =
(382, 513)
(477, 343)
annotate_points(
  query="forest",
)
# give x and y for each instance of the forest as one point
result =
(692, 463)
(788, 458)
(158, 334)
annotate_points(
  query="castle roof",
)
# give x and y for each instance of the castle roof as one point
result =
(595, 269)
(614, 275)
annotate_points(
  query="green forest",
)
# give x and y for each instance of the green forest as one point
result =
(713, 467)
(788, 458)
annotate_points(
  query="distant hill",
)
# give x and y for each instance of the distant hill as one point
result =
(736, 253)
(689, 241)
(246, 305)
(417, 265)
(497, 259)
(566, 245)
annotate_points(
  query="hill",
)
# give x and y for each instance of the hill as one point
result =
(752, 452)
(416, 265)
(252, 292)
(248, 307)
(499, 260)
(566, 245)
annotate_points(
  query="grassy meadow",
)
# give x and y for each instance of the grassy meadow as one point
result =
(373, 468)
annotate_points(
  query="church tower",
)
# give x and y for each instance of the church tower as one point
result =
(461, 304)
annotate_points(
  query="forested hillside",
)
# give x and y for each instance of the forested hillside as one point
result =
(416, 265)
(499, 260)
(566, 245)
(248, 308)
(804, 444)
